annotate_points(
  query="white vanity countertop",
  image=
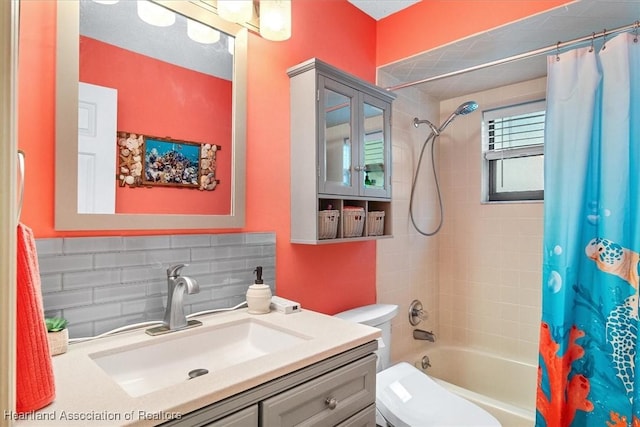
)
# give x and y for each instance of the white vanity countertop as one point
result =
(86, 395)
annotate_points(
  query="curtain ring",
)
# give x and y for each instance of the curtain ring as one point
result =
(604, 39)
(593, 37)
(635, 32)
(558, 52)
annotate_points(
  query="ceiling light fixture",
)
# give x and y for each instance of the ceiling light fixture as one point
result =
(239, 11)
(201, 33)
(275, 19)
(156, 15)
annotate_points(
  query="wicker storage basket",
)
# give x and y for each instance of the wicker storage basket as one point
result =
(353, 219)
(375, 223)
(328, 224)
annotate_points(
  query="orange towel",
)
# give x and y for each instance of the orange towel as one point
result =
(35, 386)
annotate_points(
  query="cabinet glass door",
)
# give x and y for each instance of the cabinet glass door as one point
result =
(337, 149)
(375, 149)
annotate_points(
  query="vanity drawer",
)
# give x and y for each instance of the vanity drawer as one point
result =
(364, 418)
(326, 400)
(246, 417)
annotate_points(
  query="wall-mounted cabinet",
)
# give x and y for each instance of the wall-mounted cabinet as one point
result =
(340, 156)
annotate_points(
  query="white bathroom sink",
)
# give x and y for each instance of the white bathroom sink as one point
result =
(167, 360)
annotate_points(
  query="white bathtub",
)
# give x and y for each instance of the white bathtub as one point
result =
(504, 387)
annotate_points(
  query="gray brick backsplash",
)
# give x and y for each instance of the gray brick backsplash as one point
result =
(63, 300)
(81, 329)
(106, 294)
(51, 282)
(101, 326)
(119, 259)
(92, 312)
(135, 306)
(191, 241)
(101, 283)
(49, 246)
(203, 296)
(167, 257)
(83, 245)
(85, 279)
(212, 253)
(260, 238)
(144, 273)
(245, 251)
(147, 242)
(227, 239)
(228, 265)
(196, 268)
(61, 263)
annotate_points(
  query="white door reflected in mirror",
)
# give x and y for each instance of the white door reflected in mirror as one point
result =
(97, 122)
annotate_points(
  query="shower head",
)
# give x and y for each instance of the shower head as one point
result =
(466, 108)
(417, 122)
(463, 109)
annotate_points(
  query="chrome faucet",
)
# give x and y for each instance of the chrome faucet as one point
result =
(419, 334)
(174, 317)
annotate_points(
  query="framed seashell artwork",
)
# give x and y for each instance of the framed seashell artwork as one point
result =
(148, 161)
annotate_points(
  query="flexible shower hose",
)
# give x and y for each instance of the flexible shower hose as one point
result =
(432, 137)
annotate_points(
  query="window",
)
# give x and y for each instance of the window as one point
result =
(513, 152)
(374, 158)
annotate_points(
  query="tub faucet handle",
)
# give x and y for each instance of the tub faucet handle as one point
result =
(425, 362)
(416, 313)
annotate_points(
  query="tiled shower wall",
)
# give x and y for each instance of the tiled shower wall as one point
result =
(407, 265)
(490, 254)
(479, 278)
(101, 283)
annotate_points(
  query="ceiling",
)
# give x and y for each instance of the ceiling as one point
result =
(379, 9)
(575, 20)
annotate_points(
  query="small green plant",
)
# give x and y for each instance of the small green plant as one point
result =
(55, 324)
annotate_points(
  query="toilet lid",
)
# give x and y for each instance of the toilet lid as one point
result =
(407, 397)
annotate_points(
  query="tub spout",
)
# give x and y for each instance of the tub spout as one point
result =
(419, 334)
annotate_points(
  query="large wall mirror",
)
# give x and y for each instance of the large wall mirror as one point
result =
(150, 116)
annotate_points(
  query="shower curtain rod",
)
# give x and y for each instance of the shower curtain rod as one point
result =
(556, 47)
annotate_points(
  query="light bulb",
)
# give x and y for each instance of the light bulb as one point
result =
(231, 45)
(201, 33)
(275, 19)
(239, 11)
(156, 15)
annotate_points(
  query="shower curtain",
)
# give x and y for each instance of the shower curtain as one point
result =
(589, 330)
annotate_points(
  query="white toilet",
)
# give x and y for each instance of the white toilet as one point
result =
(405, 396)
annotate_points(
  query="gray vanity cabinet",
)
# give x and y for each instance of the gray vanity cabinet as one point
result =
(340, 152)
(339, 391)
(245, 418)
(324, 401)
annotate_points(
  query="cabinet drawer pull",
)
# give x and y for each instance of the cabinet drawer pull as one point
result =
(331, 402)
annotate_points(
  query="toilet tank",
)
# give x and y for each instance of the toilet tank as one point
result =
(378, 316)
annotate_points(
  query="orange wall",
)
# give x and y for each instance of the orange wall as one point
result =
(159, 99)
(326, 278)
(432, 23)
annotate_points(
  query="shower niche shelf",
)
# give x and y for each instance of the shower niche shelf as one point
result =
(340, 156)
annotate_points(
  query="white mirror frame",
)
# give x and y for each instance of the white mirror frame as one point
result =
(66, 167)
